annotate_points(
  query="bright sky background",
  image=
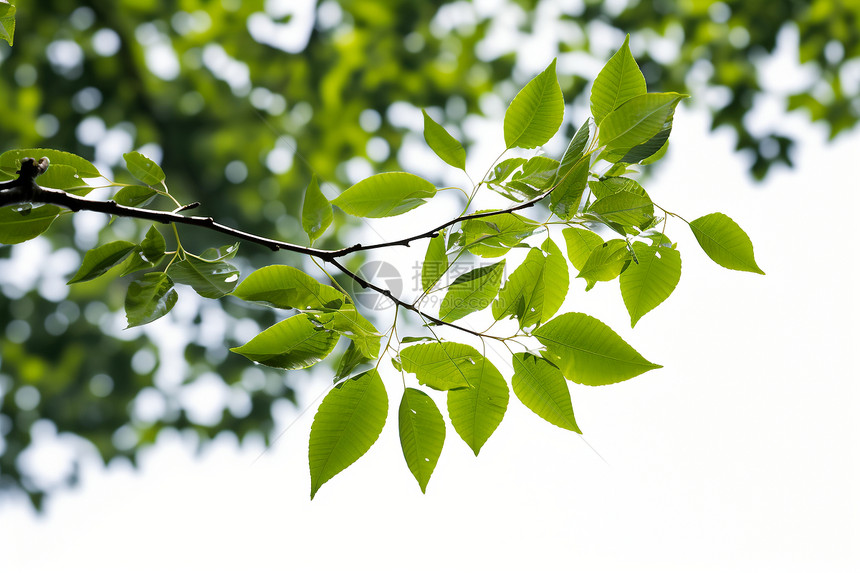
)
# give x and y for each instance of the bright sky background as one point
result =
(739, 455)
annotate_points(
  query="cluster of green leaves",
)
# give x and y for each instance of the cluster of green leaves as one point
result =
(586, 192)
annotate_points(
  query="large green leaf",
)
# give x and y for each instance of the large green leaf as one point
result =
(542, 388)
(7, 22)
(291, 344)
(580, 244)
(605, 262)
(650, 279)
(348, 422)
(10, 161)
(625, 208)
(435, 262)
(385, 195)
(210, 280)
(149, 254)
(281, 286)
(66, 178)
(477, 411)
(149, 298)
(100, 260)
(589, 352)
(536, 289)
(441, 365)
(316, 211)
(422, 434)
(636, 122)
(473, 290)
(443, 143)
(20, 223)
(349, 322)
(495, 235)
(725, 242)
(618, 81)
(535, 114)
(144, 168)
(539, 172)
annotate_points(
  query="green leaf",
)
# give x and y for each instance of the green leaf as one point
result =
(572, 175)
(536, 112)
(291, 344)
(618, 81)
(316, 211)
(349, 322)
(556, 279)
(210, 280)
(645, 151)
(220, 254)
(536, 289)
(7, 22)
(100, 260)
(422, 434)
(10, 161)
(441, 365)
(625, 208)
(144, 168)
(477, 411)
(580, 244)
(443, 143)
(149, 298)
(647, 283)
(589, 352)
(66, 178)
(281, 286)
(348, 422)
(540, 386)
(135, 196)
(539, 172)
(725, 242)
(385, 195)
(352, 358)
(636, 122)
(605, 262)
(471, 291)
(495, 235)
(152, 246)
(505, 169)
(435, 262)
(20, 223)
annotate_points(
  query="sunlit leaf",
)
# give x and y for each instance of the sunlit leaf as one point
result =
(316, 211)
(441, 365)
(589, 352)
(66, 178)
(135, 196)
(572, 175)
(625, 208)
(541, 387)
(443, 143)
(422, 434)
(495, 235)
(149, 298)
(101, 259)
(535, 114)
(580, 243)
(20, 223)
(605, 262)
(10, 161)
(7, 22)
(472, 291)
(478, 410)
(144, 168)
(536, 289)
(210, 280)
(650, 279)
(281, 286)
(618, 81)
(435, 262)
(220, 254)
(385, 195)
(725, 242)
(636, 122)
(351, 359)
(291, 344)
(348, 422)
(349, 322)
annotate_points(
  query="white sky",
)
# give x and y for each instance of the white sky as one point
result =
(741, 454)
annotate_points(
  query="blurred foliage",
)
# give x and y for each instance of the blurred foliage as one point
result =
(239, 98)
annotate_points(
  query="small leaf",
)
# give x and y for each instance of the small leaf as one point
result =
(348, 422)
(443, 143)
(580, 244)
(7, 22)
(535, 114)
(422, 434)
(435, 262)
(149, 298)
(471, 291)
(281, 286)
(505, 169)
(536, 289)
(618, 81)
(100, 260)
(291, 344)
(647, 283)
(135, 196)
(636, 122)
(589, 352)
(10, 161)
(352, 358)
(605, 262)
(725, 242)
(210, 280)
(477, 411)
(22, 223)
(220, 254)
(152, 247)
(144, 168)
(316, 211)
(349, 322)
(539, 172)
(540, 386)
(441, 365)
(385, 195)
(572, 175)
(495, 235)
